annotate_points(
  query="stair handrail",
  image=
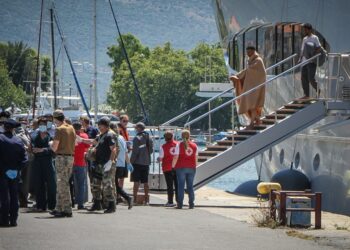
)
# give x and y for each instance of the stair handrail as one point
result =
(222, 93)
(251, 90)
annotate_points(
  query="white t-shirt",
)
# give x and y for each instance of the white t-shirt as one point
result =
(122, 150)
(312, 41)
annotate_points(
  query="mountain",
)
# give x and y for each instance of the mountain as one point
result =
(184, 23)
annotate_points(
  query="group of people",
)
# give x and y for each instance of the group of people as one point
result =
(52, 160)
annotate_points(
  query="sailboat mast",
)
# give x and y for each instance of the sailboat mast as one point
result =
(95, 63)
(38, 66)
(53, 75)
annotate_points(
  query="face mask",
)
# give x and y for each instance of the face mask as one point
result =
(49, 125)
(42, 128)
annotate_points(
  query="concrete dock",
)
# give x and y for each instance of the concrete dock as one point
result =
(220, 221)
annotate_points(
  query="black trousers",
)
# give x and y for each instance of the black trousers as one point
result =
(308, 76)
(45, 182)
(8, 200)
(122, 193)
(171, 181)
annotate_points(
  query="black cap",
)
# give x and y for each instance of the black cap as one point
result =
(104, 121)
(11, 123)
(307, 26)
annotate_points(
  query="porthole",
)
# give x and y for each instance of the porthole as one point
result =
(297, 160)
(270, 154)
(317, 161)
(282, 156)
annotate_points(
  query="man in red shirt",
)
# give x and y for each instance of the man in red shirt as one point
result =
(79, 168)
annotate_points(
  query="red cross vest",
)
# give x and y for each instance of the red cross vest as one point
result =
(187, 158)
(169, 152)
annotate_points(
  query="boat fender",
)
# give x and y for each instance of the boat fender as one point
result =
(266, 187)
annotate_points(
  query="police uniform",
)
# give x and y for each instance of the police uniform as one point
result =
(12, 158)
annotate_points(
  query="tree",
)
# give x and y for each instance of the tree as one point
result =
(10, 93)
(21, 64)
(168, 80)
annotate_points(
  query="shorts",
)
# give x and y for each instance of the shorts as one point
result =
(122, 172)
(140, 173)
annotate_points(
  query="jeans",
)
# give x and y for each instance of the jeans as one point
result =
(80, 184)
(8, 200)
(308, 76)
(171, 181)
(185, 175)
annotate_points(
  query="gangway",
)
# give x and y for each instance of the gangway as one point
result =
(242, 145)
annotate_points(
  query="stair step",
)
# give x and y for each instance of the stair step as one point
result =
(279, 116)
(226, 143)
(306, 101)
(247, 132)
(218, 148)
(260, 127)
(238, 137)
(295, 106)
(203, 158)
(208, 153)
(286, 111)
(268, 121)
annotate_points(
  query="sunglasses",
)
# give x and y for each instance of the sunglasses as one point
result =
(125, 121)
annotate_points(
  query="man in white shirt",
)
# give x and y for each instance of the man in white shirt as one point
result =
(310, 47)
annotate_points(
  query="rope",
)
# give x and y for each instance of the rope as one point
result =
(70, 63)
(137, 92)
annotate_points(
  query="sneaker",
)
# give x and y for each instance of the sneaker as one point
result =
(191, 206)
(53, 212)
(169, 204)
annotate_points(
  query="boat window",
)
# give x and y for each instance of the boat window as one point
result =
(282, 156)
(297, 160)
(265, 46)
(240, 52)
(270, 154)
(316, 162)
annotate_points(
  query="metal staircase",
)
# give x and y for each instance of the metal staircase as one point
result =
(277, 125)
(243, 145)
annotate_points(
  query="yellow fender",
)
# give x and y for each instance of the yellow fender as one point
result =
(266, 187)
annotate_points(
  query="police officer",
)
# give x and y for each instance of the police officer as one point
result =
(12, 158)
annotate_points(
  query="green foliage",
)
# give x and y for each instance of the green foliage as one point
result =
(167, 78)
(9, 93)
(21, 64)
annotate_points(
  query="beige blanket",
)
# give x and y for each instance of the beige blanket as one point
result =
(251, 77)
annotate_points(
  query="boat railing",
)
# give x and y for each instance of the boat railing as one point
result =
(282, 79)
(209, 101)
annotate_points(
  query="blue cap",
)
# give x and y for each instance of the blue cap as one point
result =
(10, 123)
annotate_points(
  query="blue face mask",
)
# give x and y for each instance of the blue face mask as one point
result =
(49, 125)
(42, 128)
(12, 174)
